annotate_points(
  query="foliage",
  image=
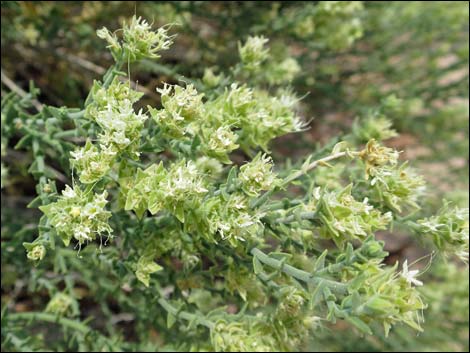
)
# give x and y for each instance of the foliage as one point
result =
(211, 240)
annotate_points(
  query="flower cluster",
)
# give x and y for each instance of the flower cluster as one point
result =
(383, 295)
(282, 72)
(138, 41)
(219, 143)
(61, 304)
(257, 175)
(121, 127)
(240, 117)
(258, 116)
(79, 215)
(253, 52)
(242, 337)
(344, 218)
(181, 190)
(36, 252)
(396, 188)
(181, 107)
(112, 110)
(336, 23)
(230, 218)
(177, 189)
(92, 163)
(376, 156)
(448, 230)
(269, 117)
(116, 94)
(291, 301)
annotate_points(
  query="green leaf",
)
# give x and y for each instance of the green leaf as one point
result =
(280, 255)
(340, 146)
(170, 320)
(359, 324)
(320, 262)
(257, 266)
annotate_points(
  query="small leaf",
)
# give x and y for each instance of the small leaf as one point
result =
(359, 324)
(280, 255)
(257, 266)
(320, 262)
(339, 147)
(170, 320)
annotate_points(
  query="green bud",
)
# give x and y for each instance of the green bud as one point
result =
(37, 252)
(60, 304)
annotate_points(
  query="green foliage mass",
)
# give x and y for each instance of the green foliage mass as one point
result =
(168, 218)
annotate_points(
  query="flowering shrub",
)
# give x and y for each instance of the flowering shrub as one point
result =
(208, 239)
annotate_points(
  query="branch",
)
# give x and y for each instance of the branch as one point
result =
(301, 275)
(72, 324)
(52, 318)
(184, 314)
(314, 164)
(18, 90)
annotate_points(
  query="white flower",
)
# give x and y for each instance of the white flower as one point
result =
(69, 192)
(317, 193)
(82, 234)
(78, 154)
(367, 207)
(410, 275)
(432, 226)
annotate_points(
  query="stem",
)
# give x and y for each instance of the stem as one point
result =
(72, 324)
(301, 216)
(18, 90)
(52, 318)
(314, 164)
(281, 205)
(184, 314)
(301, 275)
(67, 133)
(336, 267)
(113, 73)
(77, 115)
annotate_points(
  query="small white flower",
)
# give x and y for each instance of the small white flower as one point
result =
(82, 234)
(432, 226)
(317, 193)
(69, 192)
(410, 275)
(78, 154)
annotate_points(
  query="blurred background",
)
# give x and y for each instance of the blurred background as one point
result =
(407, 61)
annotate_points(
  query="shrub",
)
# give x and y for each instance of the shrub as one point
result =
(179, 215)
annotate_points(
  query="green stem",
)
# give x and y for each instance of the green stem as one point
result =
(301, 216)
(52, 318)
(77, 115)
(72, 324)
(314, 164)
(301, 275)
(67, 133)
(184, 314)
(281, 205)
(336, 267)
